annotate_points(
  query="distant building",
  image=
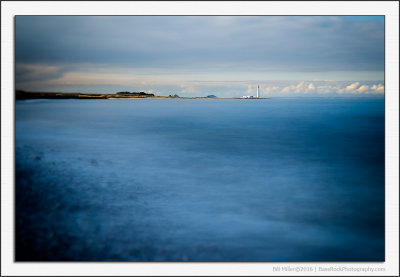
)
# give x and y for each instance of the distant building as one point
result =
(250, 96)
(211, 96)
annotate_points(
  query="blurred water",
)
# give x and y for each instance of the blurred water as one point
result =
(200, 180)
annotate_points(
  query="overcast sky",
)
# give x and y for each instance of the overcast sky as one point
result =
(201, 55)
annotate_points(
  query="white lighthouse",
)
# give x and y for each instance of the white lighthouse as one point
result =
(258, 89)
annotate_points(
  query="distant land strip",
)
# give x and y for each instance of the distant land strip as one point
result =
(25, 95)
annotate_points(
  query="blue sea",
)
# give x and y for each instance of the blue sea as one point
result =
(285, 179)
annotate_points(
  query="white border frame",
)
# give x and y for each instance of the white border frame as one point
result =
(9, 9)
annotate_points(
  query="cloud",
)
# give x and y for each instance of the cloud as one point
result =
(350, 88)
(301, 87)
(269, 89)
(311, 87)
(230, 54)
(362, 89)
(287, 89)
(356, 88)
(187, 89)
(250, 89)
(378, 88)
(80, 77)
(326, 87)
(36, 72)
(294, 43)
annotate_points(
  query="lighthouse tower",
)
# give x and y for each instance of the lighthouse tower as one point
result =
(258, 89)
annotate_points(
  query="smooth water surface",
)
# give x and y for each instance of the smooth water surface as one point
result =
(200, 180)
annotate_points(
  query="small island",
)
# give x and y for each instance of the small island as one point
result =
(25, 95)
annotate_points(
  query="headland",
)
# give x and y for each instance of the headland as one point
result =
(25, 95)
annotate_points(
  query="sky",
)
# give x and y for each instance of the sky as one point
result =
(202, 55)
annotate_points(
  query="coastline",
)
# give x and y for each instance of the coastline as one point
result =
(25, 95)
